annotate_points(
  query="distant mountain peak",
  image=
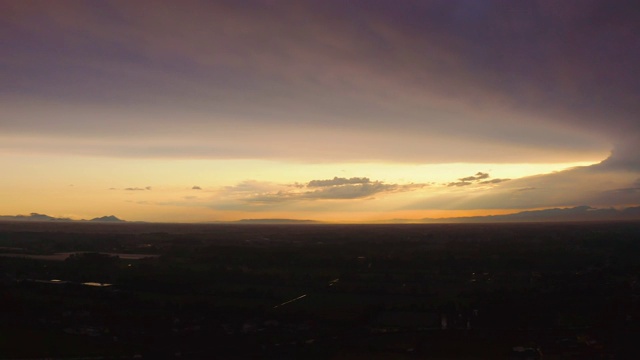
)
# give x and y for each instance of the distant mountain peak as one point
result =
(109, 218)
(36, 216)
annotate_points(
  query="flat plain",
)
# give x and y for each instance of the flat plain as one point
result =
(441, 291)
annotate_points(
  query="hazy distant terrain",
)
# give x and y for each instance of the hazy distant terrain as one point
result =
(578, 213)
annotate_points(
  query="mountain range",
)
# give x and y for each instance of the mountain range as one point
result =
(43, 217)
(577, 213)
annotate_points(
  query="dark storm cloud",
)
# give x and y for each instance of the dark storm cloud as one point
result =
(508, 78)
(624, 156)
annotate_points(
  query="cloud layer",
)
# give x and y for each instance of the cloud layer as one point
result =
(416, 82)
(256, 193)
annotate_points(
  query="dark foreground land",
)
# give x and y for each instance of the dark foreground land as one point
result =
(509, 291)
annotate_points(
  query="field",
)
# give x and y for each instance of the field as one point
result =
(455, 291)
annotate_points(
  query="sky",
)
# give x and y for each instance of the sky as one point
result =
(341, 111)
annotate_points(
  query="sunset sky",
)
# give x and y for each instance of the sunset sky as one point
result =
(346, 111)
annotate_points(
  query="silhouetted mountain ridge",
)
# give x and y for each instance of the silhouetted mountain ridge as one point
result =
(43, 217)
(109, 218)
(577, 213)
